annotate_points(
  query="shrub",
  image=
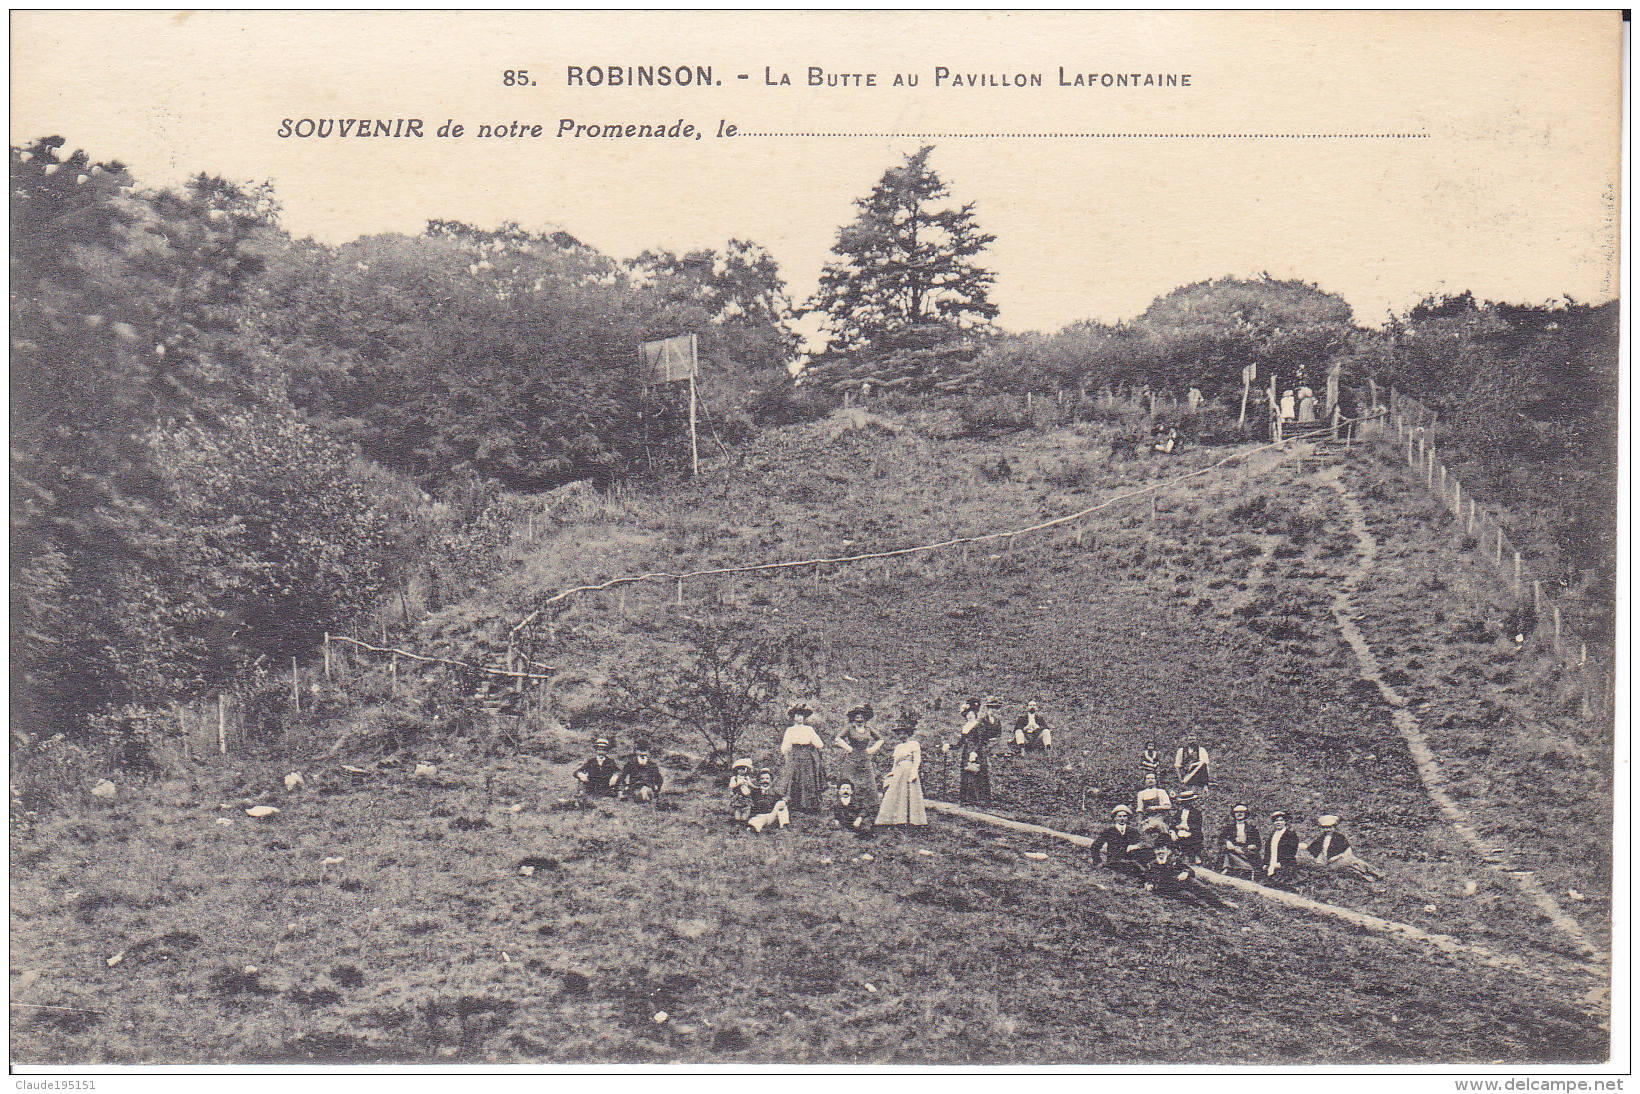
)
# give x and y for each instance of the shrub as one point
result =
(1068, 473)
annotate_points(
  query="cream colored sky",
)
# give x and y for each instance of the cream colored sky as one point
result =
(1512, 193)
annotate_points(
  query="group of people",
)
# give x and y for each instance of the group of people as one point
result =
(1162, 835)
(1157, 841)
(863, 802)
(981, 728)
(602, 776)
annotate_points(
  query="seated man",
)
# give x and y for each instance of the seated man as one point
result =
(1167, 876)
(848, 815)
(597, 776)
(1031, 732)
(1120, 847)
(1279, 861)
(1189, 826)
(1239, 845)
(1154, 807)
(641, 778)
(1332, 851)
(768, 804)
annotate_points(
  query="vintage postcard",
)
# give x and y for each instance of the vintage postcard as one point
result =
(833, 541)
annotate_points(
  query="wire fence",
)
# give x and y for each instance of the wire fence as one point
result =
(1590, 680)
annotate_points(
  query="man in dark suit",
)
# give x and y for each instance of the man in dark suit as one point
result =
(1279, 861)
(1190, 826)
(1031, 731)
(1332, 850)
(1121, 847)
(597, 776)
(1239, 844)
(641, 778)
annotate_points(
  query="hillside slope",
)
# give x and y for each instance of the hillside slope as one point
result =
(1211, 613)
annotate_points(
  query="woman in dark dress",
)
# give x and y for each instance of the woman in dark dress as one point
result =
(860, 744)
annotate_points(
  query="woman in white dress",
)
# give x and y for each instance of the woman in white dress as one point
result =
(802, 776)
(903, 800)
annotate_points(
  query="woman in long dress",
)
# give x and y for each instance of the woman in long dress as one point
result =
(803, 774)
(860, 744)
(903, 800)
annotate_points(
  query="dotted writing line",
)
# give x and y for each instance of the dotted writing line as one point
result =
(1129, 136)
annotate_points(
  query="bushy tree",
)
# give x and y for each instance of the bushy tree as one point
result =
(1207, 332)
(906, 261)
(126, 311)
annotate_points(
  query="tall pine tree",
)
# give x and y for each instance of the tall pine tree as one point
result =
(905, 263)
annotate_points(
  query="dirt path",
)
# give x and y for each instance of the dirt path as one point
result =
(1429, 771)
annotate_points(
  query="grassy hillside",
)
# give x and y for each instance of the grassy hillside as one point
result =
(946, 945)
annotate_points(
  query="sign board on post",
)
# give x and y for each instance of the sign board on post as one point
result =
(670, 359)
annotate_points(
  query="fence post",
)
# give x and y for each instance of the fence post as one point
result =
(327, 657)
(1557, 630)
(1429, 472)
(680, 592)
(295, 687)
(221, 725)
(1537, 599)
(1517, 575)
(1471, 526)
(393, 679)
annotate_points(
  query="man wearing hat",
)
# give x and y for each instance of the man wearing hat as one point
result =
(597, 776)
(1189, 827)
(1168, 875)
(1031, 732)
(641, 778)
(1120, 847)
(1331, 850)
(1239, 844)
(1279, 860)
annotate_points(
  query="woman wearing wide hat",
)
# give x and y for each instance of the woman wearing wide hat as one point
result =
(903, 800)
(803, 774)
(860, 744)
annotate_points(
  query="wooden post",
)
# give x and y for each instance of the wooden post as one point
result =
(1557, 630)
(1457, 498)
(295, 687)
(694, 446)
(1517, 574)
(1471, 526)
(622, 608)
(1336, 416)
(1429, 471)
(680, 592)
(1497, 558)
(393, 678)
(222, 725)
(327, 657)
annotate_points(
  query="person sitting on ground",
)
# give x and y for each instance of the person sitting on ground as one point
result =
(597, 776)
(1191, 764)
(1168, 875)
(1189, 827)
(641, 778)
(1031, 731)
(852, 815)
(1153, 806)
(1239, 845)
(1331, 850)
(1150, 761)
(768, 804)
(742, 789)
(1279, 860)
(1120, 847)
(1168, 444)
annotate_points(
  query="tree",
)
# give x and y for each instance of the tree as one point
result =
(904, 262)
(1210, 330)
